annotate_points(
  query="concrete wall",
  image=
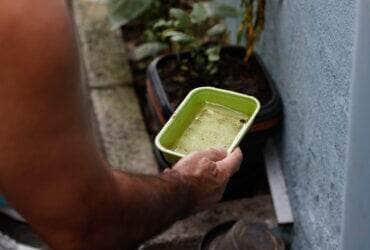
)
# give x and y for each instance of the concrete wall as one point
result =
(357, 202)
(308, 48)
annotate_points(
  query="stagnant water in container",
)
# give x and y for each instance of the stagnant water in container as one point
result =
(214, 126)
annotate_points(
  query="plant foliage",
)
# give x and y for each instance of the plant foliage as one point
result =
(200, 30)
(252, 24)
(186, 25)
(122, 12)
(147, 13)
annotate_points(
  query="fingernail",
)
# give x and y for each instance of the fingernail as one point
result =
(237, 149)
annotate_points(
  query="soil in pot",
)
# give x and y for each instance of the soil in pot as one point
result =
(180, 77)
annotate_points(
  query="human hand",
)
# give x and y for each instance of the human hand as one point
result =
(207, 174)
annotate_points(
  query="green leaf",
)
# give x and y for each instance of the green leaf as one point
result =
(213, 53)
(162, 24)
(212, 68)
(239, 37)
(217, 30)
(241, 33)
(147, 50)
(200, 12)
(204, 10)
(149, 35)
(178, 14)
(225, 10)
(182, 18)
(178, 37)
(122, 12)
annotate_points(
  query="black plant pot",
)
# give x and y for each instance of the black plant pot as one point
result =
(266, 123)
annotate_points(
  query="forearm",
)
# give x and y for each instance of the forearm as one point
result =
(72, 198)
(50, 169)
(118, 212)
(150, 204)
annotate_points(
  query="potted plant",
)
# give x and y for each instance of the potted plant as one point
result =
(137, 19)
(193, 42)
(171, 77)
(149, 27)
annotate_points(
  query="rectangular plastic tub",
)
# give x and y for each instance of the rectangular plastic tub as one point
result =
(190, 107)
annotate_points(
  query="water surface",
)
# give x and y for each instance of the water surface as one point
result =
(214, 126)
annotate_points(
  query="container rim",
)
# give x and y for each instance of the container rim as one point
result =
(185, 101)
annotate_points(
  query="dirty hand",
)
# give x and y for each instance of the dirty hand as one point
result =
(207, 174)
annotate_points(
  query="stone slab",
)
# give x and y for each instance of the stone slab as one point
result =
(102, 49)
(124, 137)
(277, 184)
(188, 233)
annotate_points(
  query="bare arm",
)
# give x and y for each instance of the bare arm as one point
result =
(50, 169)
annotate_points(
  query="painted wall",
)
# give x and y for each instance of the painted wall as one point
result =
(357, 202)
(308, 48)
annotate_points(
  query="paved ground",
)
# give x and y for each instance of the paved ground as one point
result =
(187, 234)
(120, 125)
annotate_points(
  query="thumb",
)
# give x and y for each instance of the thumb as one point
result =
(229, 165)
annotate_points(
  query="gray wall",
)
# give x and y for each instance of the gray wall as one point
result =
(357, 203)
(308, 48)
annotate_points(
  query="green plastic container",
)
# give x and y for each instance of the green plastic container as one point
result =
(191, 107)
